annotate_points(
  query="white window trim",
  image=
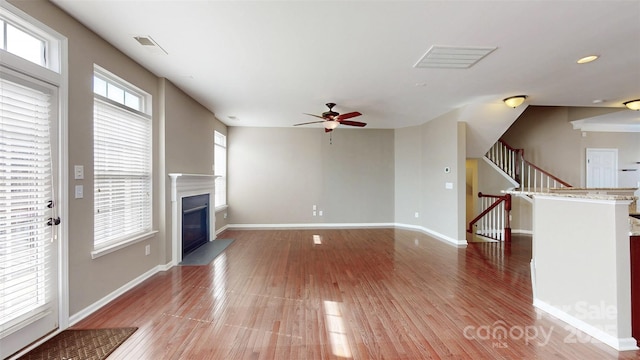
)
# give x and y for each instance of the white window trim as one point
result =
(226, 164)
(121, 245)
(221, 207)
(115, 79)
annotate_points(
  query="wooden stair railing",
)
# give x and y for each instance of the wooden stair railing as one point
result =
(494, 221)
(530, 177)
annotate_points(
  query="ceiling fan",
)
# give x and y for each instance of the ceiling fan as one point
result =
(332, 119)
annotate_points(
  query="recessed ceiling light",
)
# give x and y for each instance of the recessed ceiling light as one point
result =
(587, 59)
(231, 117)
(598, 101)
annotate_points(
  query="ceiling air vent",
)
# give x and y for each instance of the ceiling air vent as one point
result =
(452, 57)
(150, 45)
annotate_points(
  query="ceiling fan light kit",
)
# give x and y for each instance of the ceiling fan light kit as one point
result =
(331, 124)
(331, 119)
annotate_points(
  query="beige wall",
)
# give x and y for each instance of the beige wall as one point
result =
(91, 280)
(188, 144)
(422, 154)
(276, 175)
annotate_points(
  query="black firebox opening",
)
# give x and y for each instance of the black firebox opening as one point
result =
(195, 222)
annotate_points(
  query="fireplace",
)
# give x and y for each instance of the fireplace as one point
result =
(195, 222)
(186, 186)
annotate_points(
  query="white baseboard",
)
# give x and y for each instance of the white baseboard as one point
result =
(424, 230)
(222, 229)
(620, 344)
(310, 226)
(75, 318)
(435, 234)
(522, 231)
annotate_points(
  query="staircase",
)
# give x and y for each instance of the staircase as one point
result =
(529, 177)
(493, 223)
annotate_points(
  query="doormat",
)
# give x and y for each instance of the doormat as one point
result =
(206, 253)
(93, 344)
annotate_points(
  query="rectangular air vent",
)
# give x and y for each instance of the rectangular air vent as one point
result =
(150, 45)
(452, 57)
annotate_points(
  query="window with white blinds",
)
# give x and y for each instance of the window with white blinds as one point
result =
(25, 190)
(220, 168)
(122, 170)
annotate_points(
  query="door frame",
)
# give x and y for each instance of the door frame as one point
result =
(59, 79)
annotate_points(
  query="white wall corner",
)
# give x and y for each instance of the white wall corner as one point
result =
(620, 344)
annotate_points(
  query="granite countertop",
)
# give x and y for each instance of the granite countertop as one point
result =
(594, 194)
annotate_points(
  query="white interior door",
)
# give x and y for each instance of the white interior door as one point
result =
(602, 168)
(29, 252)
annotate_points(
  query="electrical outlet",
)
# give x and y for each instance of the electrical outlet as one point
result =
(78, 172)
(314, 213)
(225, 215)
(314, 208)
(416, 214)
(320, 213)
(147, 250)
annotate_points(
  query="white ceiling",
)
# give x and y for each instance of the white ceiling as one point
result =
(267, 62)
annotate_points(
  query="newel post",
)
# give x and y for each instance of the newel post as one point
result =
(507, 227)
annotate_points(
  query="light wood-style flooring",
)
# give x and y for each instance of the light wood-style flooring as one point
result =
(360, 294)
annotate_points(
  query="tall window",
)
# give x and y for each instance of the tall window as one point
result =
(122, 161)
(220, 166)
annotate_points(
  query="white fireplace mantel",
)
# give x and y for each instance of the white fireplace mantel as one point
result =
(185, 185)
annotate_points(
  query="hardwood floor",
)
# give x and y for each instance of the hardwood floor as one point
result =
(361, 294)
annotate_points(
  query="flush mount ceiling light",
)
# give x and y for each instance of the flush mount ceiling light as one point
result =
(330, 124)
(587, 59)
(633, 104)
(515, 101)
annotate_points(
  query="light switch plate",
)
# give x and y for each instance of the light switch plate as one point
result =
(79, 192)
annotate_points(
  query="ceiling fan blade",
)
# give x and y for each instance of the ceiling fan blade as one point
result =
(318, 116)
(353, 123)
(312, 122)
(348, 115)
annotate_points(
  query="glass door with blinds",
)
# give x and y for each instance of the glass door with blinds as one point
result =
(28, 212)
